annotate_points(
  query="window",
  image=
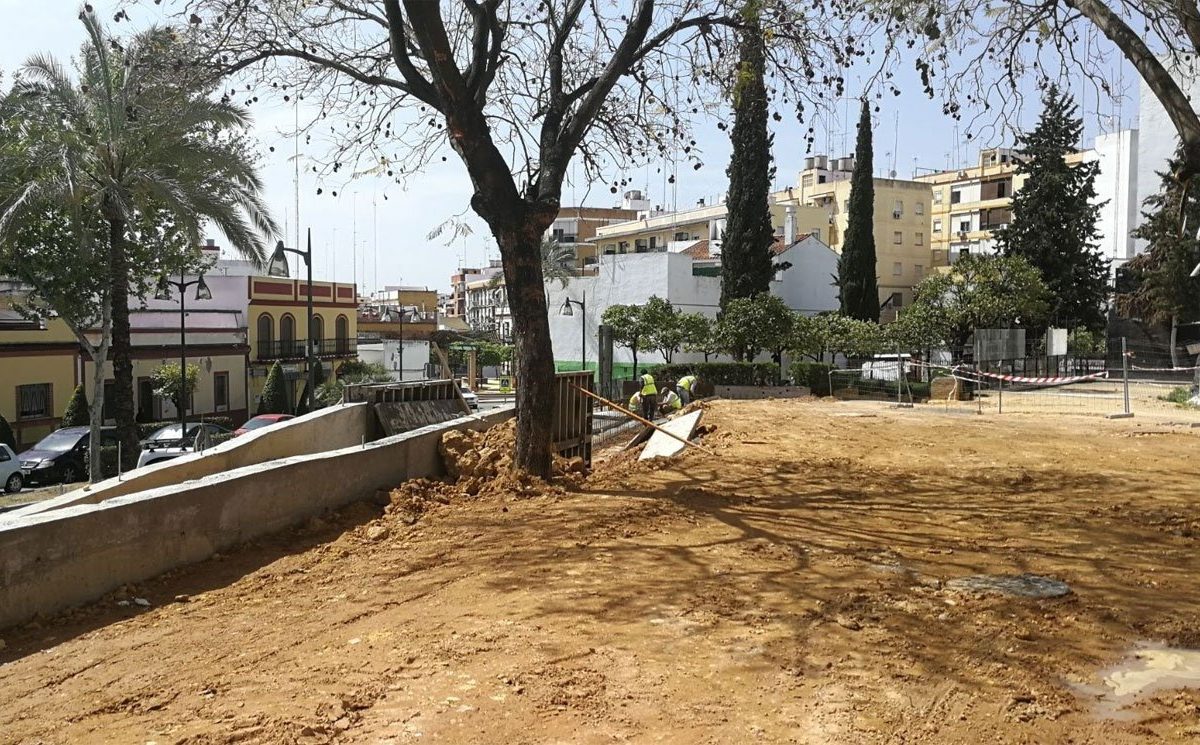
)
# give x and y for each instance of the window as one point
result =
(918, 272)
(266, 335)
(4, 455)
(896, 300)
(937, 226)
(287, 333)
(937, 196)
(897, 238)
(919, 208)
(610, 249)
(821, 179)
(964, 252)
(682, 236)
(221, 390)
(653, 242)
(35, 401)
(964, 226)
(897, 269)
(806, 180)
(955, 196)
(845, 205)
(316, 331)
(898, 209)
(919, 239)
(558, 234)
(341, 332)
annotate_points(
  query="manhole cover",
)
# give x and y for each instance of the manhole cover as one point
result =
(1017, 585)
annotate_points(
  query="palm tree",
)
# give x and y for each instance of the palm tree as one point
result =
(156, 154)
(558, 262)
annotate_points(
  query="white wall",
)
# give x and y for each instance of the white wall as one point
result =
(1157, 137)
(387, 353)
(1117, 191)
(631, 279)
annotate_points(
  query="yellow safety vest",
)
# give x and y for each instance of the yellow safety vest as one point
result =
(635, 400)
(674, 402)
(686, 382)
(648, 388)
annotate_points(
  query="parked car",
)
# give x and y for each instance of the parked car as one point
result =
(260, 421)
(469, 396)
(11, 478)
(61, 456)
(165, 442)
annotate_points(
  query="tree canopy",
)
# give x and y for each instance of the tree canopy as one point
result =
(857, 282)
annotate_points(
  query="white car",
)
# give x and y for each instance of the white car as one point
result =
(11, 478)
(469, 396)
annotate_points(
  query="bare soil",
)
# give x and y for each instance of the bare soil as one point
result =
(789, 590)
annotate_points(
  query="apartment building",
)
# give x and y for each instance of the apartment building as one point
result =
(575, 227)
(902, 220)
(39, 369)
(654, 231)
(970, 204)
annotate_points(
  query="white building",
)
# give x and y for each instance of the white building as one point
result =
(1158, 139)
(1117, 192)
(687, 280)
(406, 359)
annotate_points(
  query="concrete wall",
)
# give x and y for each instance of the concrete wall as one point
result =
(324, 430)
(1157, 136)
(54, 560)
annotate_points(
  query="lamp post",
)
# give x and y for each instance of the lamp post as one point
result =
(387, 318)
(163, 292)
(278, 267)
(567, 311)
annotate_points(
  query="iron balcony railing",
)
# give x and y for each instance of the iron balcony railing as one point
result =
(293, 349)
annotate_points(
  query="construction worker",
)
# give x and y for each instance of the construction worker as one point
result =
(669, 401)
(649, 394)
(684, 386)
(635, 401)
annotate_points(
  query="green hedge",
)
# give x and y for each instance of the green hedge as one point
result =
(108, 461)
(720, 373)
(813, 375)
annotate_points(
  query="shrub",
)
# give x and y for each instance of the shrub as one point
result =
(6, 433)
(274, 397)
(813, 375)
(77, 414)
(109, 460)
(1179, 396)
(720, 373)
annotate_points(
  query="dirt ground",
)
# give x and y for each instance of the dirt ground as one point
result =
(788, 590)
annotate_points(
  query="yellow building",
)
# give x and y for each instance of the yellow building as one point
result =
(902, 242)
(968, 204)
(275, 330)
(39, 370)
(677, 231)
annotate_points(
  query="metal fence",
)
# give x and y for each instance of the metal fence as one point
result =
(1123, 379)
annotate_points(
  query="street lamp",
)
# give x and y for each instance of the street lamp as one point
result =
(163, 292)
(278, 267)
(387, 318)
(567, 311)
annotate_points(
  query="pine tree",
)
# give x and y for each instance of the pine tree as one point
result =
(76, 414)
(746, 258)
(274, 397)
(1162, 289)
(858, 285)
(1054, 216)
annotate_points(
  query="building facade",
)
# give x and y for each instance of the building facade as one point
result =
(902, 223)
(40, 367)
(575, 227)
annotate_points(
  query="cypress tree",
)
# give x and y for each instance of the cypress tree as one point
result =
(1054, 216)
(76, 414)
(747, 263)
(858, 285)
(274, 398)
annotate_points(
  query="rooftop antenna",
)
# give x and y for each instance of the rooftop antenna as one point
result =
(375, 239)
(354, 238)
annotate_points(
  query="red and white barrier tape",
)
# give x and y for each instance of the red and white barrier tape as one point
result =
(1163, 369)
(1045, 381)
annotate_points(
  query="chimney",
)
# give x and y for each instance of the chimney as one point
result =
(700, 202)
(789, 225)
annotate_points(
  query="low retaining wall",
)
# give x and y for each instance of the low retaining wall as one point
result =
(323, 430)
(746, 392)
(64, 557)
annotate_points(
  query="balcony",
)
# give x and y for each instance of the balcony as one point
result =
(293, 349)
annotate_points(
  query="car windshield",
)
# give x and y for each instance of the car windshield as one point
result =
(171, 432)
(256, 422)
(60, 441)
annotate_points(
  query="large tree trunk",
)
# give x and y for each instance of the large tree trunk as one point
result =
(520, 249)
(122, 357)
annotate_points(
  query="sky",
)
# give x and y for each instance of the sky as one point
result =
(361, 236)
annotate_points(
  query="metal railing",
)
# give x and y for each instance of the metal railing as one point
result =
(293, 349)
